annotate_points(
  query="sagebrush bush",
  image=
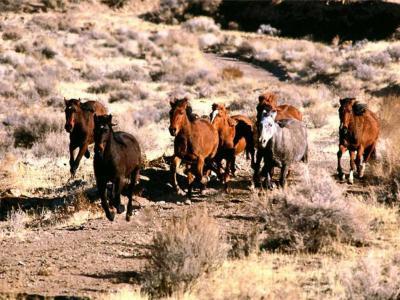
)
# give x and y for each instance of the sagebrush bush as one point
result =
(187, 247)
(318, 117)
(200, 24)
(268, 30)
(373, 278)
(310, 216)
(116, 3)
(29, 130)
(104, 87)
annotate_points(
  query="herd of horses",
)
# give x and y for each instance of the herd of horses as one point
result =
(277, 138)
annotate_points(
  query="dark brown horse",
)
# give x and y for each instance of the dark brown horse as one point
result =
(269, 102)
(358, 133)
(235, 136)
(79, 123)
(117, 159)
(196, 142)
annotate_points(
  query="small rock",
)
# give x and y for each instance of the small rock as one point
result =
(21, 263)
(188, 202)
(15, 192)
(178, 203)
(161, 202)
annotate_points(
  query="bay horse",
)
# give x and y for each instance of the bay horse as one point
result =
(269, 101)
(196, 142)
(117, 159)
(282, 143)
(235, 136)
(79, 124)
(358, 132)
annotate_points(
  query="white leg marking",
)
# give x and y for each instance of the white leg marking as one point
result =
(362, 169)
(351, 177)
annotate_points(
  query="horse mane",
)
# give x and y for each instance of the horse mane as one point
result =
(118, 138)
(284, 122)
(192, 116)
(359, 108)
(88, 106)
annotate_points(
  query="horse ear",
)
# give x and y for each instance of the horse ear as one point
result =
(214, 106)
(65, 101)
(261, 98)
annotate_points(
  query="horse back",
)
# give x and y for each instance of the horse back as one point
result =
(286, 111)
(366, 130)
(203, 139)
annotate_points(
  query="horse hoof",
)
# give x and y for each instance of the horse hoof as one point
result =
(180, 192)
(342, 177)
(110, 216)
(128, 218)
(120, 209)
(203, 192)
(351, 178)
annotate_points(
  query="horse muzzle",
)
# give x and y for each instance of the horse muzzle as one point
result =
(68, 127)
(173, 131)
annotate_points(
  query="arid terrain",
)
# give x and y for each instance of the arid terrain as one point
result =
(319, 238)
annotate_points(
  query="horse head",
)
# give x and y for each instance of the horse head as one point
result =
(102, 133)
(178, 114)
(267, 127)
(72, 109)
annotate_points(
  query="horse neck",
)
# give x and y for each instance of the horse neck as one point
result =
(110, 143)
(187, 126)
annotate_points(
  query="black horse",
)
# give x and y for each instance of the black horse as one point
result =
(117, 159)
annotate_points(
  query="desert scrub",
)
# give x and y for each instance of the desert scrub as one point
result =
(310, 216)
(187, 247)
(373, 277)
(200, 24)
(104, 87)
(29, 130)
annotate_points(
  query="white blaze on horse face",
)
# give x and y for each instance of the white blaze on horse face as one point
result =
(213, 115)
(268, 129)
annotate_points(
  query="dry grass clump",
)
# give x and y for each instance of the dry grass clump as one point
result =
(170, 11)
(129, 73)
(310, 216)
(116, 3)
(373, 277)
(29, 130)
(230, 73)
(187, 247)
(200, 24)
(318, 116)
(104, 87)
(387, 168)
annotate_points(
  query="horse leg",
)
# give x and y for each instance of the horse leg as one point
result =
(119, 184)
(352, 166)
(176, 161)
(269, 171)
(72, 148)
(190, 178)
(199, 174)
(359, 162)
(82, 150)
(342, 149)
(135, 178)
(284, 174)
(257, 165)
(102, 190)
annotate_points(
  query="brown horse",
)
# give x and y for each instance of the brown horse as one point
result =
(196, 142)
(117, 159)
(358, 133)
(235, 135)
(269, 102)
(80, 124)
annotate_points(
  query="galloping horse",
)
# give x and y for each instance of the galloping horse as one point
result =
(117, 159)
(196, 142)
(80, 124)
(269, 101)
(235, 135)
(358, 132)
(281, 144)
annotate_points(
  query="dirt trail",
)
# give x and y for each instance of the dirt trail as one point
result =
(99, 256)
